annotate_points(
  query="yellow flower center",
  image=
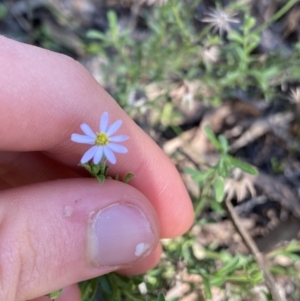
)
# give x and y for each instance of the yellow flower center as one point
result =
(101, 139)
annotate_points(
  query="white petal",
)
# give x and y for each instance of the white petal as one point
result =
(104, 122)
(117, 148)
(87, 130)
(110, 155)
(89, 154)
(120, 138)
(82, 139)
(113, 128)
(99, 154)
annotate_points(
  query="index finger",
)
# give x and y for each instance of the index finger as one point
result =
(46, 96)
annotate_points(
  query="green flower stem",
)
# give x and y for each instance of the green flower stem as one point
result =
(179, 22)
(203, 199)
(102, 166)
(99, 171)
(89, 289)
(277, 16)
(201, 204)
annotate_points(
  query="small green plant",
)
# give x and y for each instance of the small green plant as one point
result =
(211, 181)
(113, 287)
(173, 48)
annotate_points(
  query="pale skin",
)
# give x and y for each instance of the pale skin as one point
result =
(44, 98)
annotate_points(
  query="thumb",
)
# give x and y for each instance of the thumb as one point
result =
(57, 233)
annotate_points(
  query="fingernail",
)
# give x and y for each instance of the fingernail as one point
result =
(119, 235)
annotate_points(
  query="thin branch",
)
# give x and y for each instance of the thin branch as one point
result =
(259, 258)
(277, 16)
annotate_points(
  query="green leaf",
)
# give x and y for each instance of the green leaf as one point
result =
(89, 289)
(249, 23)
(105, 284)
(252, 41)
(191, 171)
(197, 175)
(101, 178)
(207, 288)
(271, 72)
(161, 297)
(105, 170)
(95, 168)
(166, 115)
(122, 281)
(256, 276)
(212, 137)
(217, 280)
(223, 167)
(229, 267)
(242, 165)
(235, 36)
(95, 34)
(54, 295)
(113, 24)
(87, 167)
(219, 189)
(232, 76)
(128, 177)
(224, 143)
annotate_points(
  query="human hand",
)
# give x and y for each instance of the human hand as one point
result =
(59, 227)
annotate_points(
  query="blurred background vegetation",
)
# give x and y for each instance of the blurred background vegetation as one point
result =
(217, 85)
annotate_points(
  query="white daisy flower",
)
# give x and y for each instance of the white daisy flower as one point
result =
(103, 141)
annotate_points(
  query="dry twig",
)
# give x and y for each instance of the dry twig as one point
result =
(259, 258)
